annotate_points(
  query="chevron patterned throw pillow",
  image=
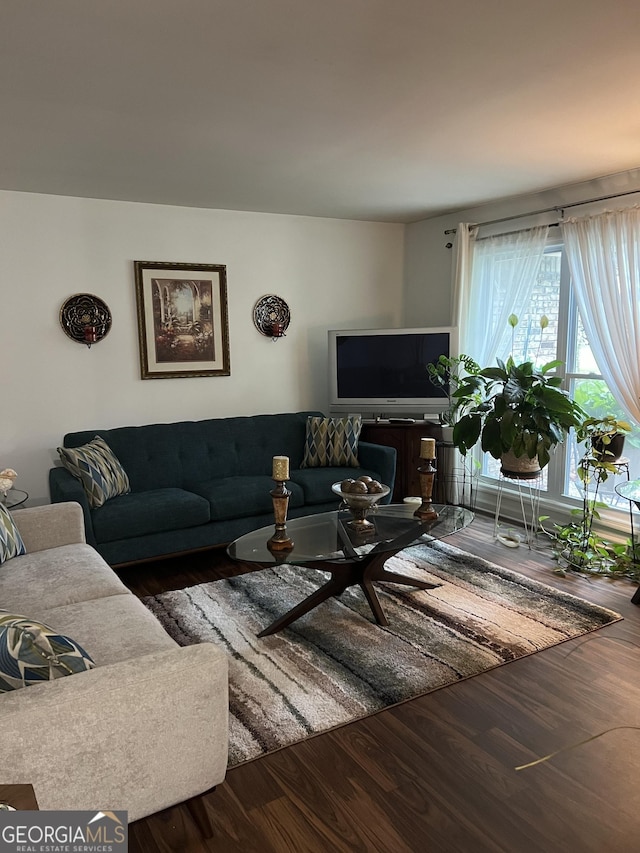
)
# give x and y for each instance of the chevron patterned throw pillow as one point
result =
(11, 544)
(31, 652)
(332, 442)
(98, 469)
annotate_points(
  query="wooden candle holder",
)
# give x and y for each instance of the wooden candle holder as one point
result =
(280, 540)
(427, 472)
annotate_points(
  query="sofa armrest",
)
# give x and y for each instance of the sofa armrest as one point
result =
(380, 458)
(50, 526)
(140, 735)
(63, 486)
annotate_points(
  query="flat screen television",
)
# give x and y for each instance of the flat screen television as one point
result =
(383, 372)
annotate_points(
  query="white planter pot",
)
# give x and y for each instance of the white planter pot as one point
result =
(447, 434)
(519, 467)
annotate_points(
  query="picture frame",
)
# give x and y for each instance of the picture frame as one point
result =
(183, 325)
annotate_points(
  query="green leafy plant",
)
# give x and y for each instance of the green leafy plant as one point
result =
(577, 547)
(598, 402)
(522, 408)
(599, 433)
(515, 407)
(448, 373)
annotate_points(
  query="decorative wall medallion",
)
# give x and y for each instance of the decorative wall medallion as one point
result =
(271, 316)
(85, 318)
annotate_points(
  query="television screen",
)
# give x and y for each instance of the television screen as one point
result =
(385, 370)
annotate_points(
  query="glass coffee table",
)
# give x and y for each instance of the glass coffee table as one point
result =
(327, 542)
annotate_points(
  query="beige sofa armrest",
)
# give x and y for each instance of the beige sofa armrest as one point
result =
(140, 735)
(50, 526)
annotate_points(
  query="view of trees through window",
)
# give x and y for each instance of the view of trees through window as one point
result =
(564, 338)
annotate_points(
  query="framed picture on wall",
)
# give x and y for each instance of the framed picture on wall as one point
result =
(183, 327)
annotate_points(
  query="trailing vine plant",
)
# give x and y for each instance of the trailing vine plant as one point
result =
(577, 546)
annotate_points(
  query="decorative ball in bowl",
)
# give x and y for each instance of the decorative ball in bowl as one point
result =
(360, 496)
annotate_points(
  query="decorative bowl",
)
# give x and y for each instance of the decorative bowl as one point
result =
(359, 504)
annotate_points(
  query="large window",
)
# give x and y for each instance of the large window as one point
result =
(564, 338)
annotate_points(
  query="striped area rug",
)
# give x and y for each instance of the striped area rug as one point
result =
(335, 665)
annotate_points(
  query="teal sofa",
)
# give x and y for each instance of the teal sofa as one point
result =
(196, 484)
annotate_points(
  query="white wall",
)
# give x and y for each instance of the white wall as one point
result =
(428, 262)
(332, 274)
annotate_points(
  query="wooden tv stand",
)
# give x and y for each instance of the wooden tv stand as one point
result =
(405, 437)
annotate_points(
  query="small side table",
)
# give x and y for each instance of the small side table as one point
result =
(631, 491)
(21, 797)
(15, 498)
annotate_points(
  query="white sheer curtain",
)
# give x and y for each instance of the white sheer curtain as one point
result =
(603, 252)
(502, 276)
(463, 247)
(493, 278)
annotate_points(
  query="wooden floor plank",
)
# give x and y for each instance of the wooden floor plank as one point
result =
(280, 824)
(437, 773)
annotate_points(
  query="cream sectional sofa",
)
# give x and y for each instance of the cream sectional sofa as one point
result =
(145, 729)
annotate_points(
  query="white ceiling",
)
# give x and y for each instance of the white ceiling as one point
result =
(388, 110)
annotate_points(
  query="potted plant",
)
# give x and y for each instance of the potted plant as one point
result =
(577, 545)
(521, 416)
(605, 439)
(448, 372)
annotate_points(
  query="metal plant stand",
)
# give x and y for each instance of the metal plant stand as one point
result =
(529, 496)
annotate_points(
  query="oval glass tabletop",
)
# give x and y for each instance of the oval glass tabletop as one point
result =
(630, 490)
(329, 536)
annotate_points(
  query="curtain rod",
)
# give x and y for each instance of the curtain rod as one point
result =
(558, 208)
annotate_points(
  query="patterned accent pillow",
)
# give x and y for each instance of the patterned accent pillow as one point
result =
(11, 544)
(31, 652)
(98, 469)
(332, 441)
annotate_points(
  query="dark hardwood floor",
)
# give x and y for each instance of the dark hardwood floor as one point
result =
(437, 773)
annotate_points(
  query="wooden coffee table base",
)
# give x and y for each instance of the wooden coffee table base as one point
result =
(362, 573)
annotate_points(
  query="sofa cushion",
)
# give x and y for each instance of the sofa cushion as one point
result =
(331, 442)
(98, 469)
(143, 513)
(240, 497)
(11, 544)
(55, 576)
(115, 628)
(31, 652)
(316, 482)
